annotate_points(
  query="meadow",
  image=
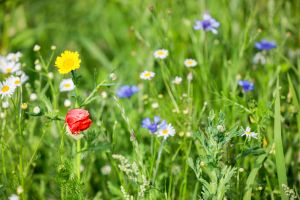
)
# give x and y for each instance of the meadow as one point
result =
(130, 99)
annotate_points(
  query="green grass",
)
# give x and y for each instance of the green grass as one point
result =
(207, 158)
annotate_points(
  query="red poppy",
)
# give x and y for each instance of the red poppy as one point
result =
(78, 120)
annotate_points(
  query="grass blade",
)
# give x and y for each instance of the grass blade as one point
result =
(279, 155)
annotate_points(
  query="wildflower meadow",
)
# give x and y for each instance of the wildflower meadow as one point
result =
(133, 100)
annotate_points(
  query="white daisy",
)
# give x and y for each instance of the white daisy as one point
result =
(190, 62)
(14, 80)
(249, 134)
(147, 75)
(166, 130)
(9, 67)
(161, 53)
(6, 88)
(177, 80)
(66, 85)
(15, 57)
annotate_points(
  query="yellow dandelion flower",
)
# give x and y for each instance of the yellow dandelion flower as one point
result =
(67, 62)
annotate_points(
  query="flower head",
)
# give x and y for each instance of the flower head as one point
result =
(177, 80)
(190, 62)
(207, 24)
(9, 67)
(147, 75)
(265, 45)
(7, 88)
(161, 53)
(246, 85)
(166, 130)
(127, 91)
(249, 134)
(14, 80)
(14, 57)
(67, 62)
(259, 58)
(66, 85)
(151, 126)
(77, 120)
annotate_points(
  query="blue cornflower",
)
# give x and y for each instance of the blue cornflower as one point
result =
(207, 24)
(246, 85)
(265, 45)
(152, 126)
(127, 91)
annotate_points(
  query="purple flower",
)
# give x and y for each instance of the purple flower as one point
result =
(127, 91)
(152, 126)
(265, 45)
(207, 24)
(246, 85)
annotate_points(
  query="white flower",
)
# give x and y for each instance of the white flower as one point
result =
(53, 47)
(20, 189)
(259, 58)
(147, 75)
(166, 131)
(33, 97)
(38, 67)
(249, 134)
(190, 62)
(177, 80)
(106, 169)
(5, 104)
(67, 103)
(50, 75)
(36, 47)
(66, 85)
(24, 78)
(2, 115)
(36, 110)
(14, 57)
(161, 53)
(9, 67)
(14, 80)
(6, 88)
(13, 197)
(104, 94)
(154, 105)
(113, 76)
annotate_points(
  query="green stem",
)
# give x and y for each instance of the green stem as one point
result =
(158, 161)
(78, 158)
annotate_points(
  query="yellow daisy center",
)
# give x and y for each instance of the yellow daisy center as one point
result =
(165, 132)
(247, 132)
(17, 82)
(8, 70)
(5, 88)
(161, 53)
(189, 62)
(67, 85)
(147, 74)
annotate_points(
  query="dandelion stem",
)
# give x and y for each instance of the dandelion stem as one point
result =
(158, 161)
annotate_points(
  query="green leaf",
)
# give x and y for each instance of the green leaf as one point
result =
(279, 154)
(252, 175)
